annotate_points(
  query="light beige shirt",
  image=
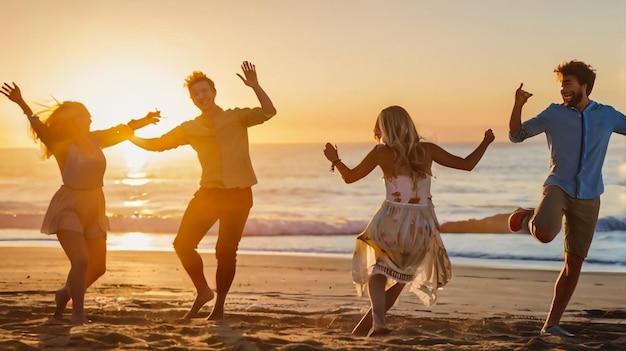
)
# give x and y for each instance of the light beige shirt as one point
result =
(223, 148)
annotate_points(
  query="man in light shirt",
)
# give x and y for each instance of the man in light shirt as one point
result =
(220, 137)
(578, 132)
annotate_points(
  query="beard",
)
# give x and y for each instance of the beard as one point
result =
(576, 98)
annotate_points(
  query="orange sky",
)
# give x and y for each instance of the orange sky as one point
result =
(329, 66)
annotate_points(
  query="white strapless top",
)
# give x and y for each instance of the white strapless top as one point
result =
(400, 189)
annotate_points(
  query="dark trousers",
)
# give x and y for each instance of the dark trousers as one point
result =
(231, 207)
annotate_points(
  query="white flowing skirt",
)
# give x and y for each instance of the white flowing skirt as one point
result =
(402, 242)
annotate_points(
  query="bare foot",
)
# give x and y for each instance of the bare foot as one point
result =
(61, 298)
(200, 301)
(364, 325)
(217, 314)
(378, 331)
(80, 319)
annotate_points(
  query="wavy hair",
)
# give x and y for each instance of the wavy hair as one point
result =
(395, 128)
(57, 118)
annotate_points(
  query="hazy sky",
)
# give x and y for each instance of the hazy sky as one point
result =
(329, 65)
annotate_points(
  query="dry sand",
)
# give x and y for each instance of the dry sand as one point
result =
(295, 303)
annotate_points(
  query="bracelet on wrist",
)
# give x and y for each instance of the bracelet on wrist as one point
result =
(333, 163)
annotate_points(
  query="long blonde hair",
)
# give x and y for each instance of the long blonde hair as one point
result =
(395, 128)
(58, 118)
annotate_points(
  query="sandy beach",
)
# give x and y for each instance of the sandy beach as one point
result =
(295, 303)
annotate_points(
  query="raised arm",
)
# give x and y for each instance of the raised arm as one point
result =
(521, 97)
(115, 135)
(468, 163)
(14, 94)
(252, 81)
(351, 175)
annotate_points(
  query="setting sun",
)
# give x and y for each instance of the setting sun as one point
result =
(131, 241)
(328, 67)
(127, 89)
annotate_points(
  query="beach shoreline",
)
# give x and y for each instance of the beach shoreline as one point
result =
(290, 302)
(493, 224)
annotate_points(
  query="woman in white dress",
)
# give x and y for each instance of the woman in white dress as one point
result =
(402, 244)
(76, 213)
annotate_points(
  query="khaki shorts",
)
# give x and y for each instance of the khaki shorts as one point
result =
(581, 216)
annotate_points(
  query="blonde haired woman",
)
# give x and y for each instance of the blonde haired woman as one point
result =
(76, 213)
(401, 245)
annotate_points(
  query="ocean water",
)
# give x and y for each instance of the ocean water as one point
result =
(302, 208)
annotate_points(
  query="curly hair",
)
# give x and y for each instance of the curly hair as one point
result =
(584, 73)
(196, 77)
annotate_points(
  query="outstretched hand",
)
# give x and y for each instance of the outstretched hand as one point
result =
(150, 118)
(489, 137)
(12, 92)
(521, 96)
(249, 72)
(331, 152)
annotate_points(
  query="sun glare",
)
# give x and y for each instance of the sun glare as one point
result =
(124, 88)
(136, 160)
(132, 241)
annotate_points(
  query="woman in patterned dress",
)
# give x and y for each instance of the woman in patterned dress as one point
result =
(402, 244)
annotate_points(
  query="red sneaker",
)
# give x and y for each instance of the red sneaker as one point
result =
(519, 218)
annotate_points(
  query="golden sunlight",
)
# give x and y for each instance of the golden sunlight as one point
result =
(133, 241)
(125, 88)
(136, 160)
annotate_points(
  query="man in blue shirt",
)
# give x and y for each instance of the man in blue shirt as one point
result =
(578, 133)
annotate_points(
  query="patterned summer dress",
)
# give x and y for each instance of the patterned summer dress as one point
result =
(79, 205)
(402, 242)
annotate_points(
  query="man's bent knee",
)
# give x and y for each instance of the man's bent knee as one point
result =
(544, 234)
(543, 238)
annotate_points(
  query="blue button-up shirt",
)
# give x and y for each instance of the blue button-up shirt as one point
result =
(577, 142)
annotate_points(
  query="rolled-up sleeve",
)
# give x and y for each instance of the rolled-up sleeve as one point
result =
(252, 116)
(531, 127)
